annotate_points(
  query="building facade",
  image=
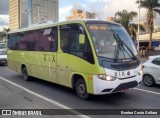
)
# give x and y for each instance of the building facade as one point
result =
(14, 14)
(79, 14)
(23, 14)
(44, 10)
(27, 12)
(110, 19)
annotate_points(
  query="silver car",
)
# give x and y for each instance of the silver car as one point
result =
(3, 55)
(151, 71)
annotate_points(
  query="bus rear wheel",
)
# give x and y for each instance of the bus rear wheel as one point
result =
(81, 89)
(25, 74)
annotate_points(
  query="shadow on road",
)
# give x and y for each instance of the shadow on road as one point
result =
(109, 98)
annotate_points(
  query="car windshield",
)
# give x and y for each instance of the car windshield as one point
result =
(106, 41)
(2, 46)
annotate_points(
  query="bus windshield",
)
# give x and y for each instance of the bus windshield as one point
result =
(112, 41)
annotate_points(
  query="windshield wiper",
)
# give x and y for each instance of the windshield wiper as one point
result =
(120, 45)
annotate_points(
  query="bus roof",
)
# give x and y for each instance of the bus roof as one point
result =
(50, 24)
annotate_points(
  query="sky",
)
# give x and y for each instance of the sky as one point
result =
(102, 8)
(4, 10)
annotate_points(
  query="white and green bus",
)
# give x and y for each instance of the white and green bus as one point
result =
(90, 56)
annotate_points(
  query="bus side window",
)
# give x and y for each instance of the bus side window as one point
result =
(53, 40)
(12, 41)
(45, 40)
(64, 33)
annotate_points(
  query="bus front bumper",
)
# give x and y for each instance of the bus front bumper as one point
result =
(102, 87)
(3, 59)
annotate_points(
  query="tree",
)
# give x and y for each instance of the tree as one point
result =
(3, 34)
(133, 28)
(151, 6)
(124, 17)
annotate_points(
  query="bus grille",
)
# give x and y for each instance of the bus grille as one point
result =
(124, 86)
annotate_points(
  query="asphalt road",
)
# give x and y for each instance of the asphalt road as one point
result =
(140, 98)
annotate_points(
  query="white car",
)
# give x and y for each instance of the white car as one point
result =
(3, 55)
(151, 71)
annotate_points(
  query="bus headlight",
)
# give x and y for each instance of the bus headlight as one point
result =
(106, 77)
(141, 71)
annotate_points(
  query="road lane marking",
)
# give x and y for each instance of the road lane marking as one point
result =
(44, 98)
(147, 91)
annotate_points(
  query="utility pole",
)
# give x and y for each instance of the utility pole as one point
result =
(138, 25)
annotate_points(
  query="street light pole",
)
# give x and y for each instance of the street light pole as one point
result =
(138, 25)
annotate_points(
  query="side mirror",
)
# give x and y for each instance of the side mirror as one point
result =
(81, 39)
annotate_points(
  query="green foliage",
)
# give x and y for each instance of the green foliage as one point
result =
(3, 34)
(152, 6)
(123, 17)
(133, 28)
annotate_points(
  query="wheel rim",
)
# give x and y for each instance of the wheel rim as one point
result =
(148, 80)
(81, 89)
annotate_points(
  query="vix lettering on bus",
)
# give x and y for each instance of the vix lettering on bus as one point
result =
(49, 58)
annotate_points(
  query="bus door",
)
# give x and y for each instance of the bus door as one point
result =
(62, 57)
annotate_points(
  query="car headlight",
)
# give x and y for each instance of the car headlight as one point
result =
(106, 77)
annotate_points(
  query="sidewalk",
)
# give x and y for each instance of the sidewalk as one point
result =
(12, 97)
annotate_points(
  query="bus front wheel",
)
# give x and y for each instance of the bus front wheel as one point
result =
(25, 73)
(81, 89)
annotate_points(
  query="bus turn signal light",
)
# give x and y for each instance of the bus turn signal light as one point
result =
(89, 77)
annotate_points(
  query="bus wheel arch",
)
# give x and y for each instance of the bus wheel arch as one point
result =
(24, 72)
(79, 85)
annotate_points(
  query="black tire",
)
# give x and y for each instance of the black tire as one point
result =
(81, 89)
(148, 80)
(25, 74)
